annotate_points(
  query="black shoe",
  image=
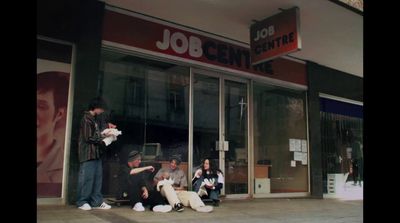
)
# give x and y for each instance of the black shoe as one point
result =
(178, 207)
(215, 203)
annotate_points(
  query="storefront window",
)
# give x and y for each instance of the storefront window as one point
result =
(280, 140)
(149, 102)
(236, 162)
(341, 141)
(205, 119)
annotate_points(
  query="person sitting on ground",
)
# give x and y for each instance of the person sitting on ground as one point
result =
(208, 181)
(172, 183)
(139, 192)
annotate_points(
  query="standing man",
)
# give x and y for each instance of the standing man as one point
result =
(172, 183)
(91, 146)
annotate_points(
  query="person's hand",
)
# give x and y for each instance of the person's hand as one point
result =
(145, 193)
(209, 186)
(151, 168)
(198, 173)
(111, 132)
(178, 188)
(106, 132)
(111, 126)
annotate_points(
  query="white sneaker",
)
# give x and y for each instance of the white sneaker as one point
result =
(162, 208)
(103, 206)
(85, 207)
(205, 209)
(138, 207)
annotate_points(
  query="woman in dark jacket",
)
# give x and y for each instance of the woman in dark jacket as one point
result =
(208, 180)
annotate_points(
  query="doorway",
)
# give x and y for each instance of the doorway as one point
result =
(220, 127)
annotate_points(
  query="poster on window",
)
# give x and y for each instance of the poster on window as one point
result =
(298, 156)
(304, 146)
(53, 75)
(304, 159)
(292, 145)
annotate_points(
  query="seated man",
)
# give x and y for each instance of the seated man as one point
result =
(208, 181)
(172, 183)
(139, 192)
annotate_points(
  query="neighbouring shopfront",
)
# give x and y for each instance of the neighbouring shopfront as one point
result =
(336, 122)
(341, 143)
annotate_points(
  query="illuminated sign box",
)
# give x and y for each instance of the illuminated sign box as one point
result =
(275, 36)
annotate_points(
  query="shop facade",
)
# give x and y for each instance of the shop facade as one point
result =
(174, 97)
(336, 110)
(176, 90)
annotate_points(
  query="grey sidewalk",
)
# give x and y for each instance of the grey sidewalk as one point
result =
(256, 210)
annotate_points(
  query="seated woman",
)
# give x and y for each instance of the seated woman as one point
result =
(208, 181)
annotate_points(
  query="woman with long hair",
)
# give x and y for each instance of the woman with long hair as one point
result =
(208, 181)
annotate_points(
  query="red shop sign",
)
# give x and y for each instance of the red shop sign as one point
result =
(165, 39)
(275, 36)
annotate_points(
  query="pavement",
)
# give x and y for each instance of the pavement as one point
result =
(262, 210)
(349, 191)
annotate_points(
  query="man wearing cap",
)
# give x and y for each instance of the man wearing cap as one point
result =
(172, 183)
(90, 149)
(139, 192)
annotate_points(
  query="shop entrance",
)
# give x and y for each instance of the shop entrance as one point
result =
(166, 109)
(220, 127)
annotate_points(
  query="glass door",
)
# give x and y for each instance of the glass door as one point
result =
(220, 127)
(234, 156)
(206, 97)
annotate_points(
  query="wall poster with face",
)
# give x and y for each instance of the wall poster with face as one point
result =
(53, 75)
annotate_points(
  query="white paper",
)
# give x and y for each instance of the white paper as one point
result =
(291, 145)
(304, 146)
(348, 152)
(293, 163)
(304, 159)
(297, 145)
(298, 156)
(226, 146)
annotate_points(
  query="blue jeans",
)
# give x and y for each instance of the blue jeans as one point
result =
(212, 194)
(89, 183)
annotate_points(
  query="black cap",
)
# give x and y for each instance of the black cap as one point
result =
(133, 155)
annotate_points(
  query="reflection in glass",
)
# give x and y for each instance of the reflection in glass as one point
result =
(205, 119)
(149, 102)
